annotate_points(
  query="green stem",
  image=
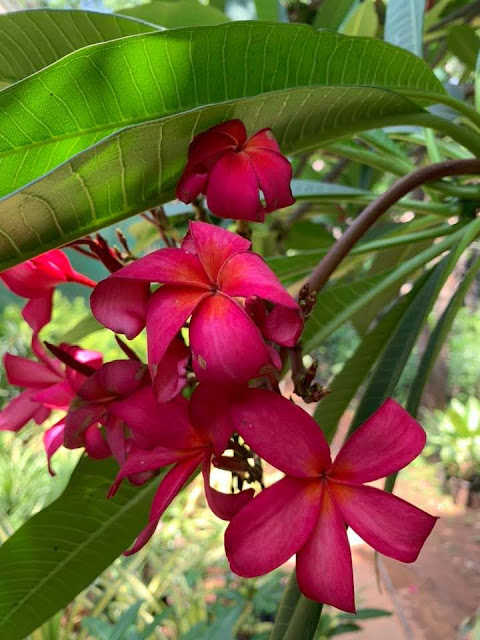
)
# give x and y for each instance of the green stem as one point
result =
(466, 137)
(285, 610)
(450, 101)
(304, 621)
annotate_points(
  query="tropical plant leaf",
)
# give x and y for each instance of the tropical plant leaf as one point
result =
(404, 24)
(62, 549)
(31, 40)
(332, 13)
(176, 13)
(463, 42)
(83, 328)
(363, 21)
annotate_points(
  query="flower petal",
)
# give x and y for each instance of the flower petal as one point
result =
(77, 420)
(58, 396)
(191, 184)
(171, 484)
(324, 563)
(154, 424)
(168, 310)
(23, 372)
(19, 411)
(271, 425)
(167, 266)
(96, 446)
(232, 190)
(272, 527)
(263, 139)
(274, 173)
(121, 305)
(170, 375)
(210, 412)
(226, 345)
(387, 523)
(52, 441)
(283, 325)
(214, 245)
(246, 274)
(38, 311)
(386, 442)
(224, 505)
(115, 379)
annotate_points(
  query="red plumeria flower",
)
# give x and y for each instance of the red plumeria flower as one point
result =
(207, 280)
(231, 171)
(180, 433)
(308, 510)
(36, 279)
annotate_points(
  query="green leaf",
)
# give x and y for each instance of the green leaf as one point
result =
(404, 24)
(83, 328)
(366, 614)
(99, 629)
(317, 190)
(176, 13)
(31, 40)
(269, 10)
(345, 385)
(477, 83)
(464, 43)
(332, 13)
(390, 366)
(62, 549)
(363, 21)
(438, 337)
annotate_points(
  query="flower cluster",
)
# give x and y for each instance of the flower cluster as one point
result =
(217, 321)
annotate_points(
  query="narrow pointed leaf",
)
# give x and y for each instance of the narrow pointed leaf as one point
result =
(404, 24)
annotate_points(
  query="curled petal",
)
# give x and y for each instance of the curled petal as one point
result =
(388, 441)
(324, 563)
(271, 425)
(263, 139)
(58, 396)
(387, 523)
(213, 245)
(38, 311)
(121, 305)
(170, 375)
(170, 486)
(235, 129)
(272, 527)
(224, 505)
(169, 309)
(19, 411)
(191, 184)
(283, 326)
(77, 421)
(246, 274)
(116, 439)
(96, 446)
(232, 190)
(23, 372)
(52, 441)
(274, 173)
(115, 379)
(226, 345)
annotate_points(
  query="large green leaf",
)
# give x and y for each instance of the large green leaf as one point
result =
(464, 43)
(363, 21)
(176, 13)
(62, 549)
(404, 24)
(31, 40)
(331, 13)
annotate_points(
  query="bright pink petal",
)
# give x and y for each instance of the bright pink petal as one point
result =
(207, 146)
(226, 345)
(283, 326)
(38, 311)
(388, 441)
(233, 128)
(52, 441)
(121, 305)
(115, 379)
(274, 174)
(116, 438)
(18, 411)
(213, 245)
(168, 310)
(170, 486)
(387, 523)
(167, 266)
(96, 446)
(324, 563)
(246, 274)
(77, 420)
(263, 139)
(271, 425)
(191, 184)
(272, 527)
(170, 375)
(58, 396)
(23, 280)
(232, 190)
(23, 372)
(224, 505)
(154, 424)
(41, 414)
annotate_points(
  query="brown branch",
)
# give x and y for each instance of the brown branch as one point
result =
(375, 209)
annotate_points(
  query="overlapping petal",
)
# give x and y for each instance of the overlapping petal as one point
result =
(224, 505)
(23, 372)
(210, 410)
(170, 374)
(121, 305)
(274, 174)
(226, 345)
(281, 433)
(38, 311)
(214, 245)
(388, 441)
(324, 563)
(387, 523)
(273, 526)
(19, 411)
(52, 441)
(263, 139)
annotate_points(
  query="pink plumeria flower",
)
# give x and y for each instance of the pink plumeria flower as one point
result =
(180, 433)
(36, 279)
(207, 280)
(307, 512)
(231, 170)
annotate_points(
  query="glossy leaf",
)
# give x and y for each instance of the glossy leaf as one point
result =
(62, 549)
(31, 40)
(331, 13)
(176, 13)
(404, 24)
